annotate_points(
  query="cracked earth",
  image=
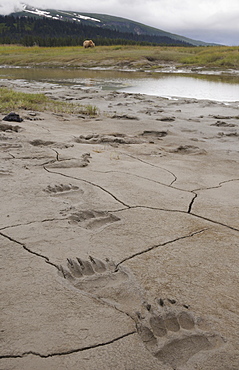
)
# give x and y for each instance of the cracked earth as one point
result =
(119, 235)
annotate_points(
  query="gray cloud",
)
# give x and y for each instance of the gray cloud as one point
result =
(7, 7)
(207, 20)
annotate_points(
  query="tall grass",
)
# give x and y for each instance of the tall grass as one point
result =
(11, 100)
(220, 56)
(214, 56)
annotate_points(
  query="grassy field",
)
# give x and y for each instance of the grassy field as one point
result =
(220, 57)
(11, 100)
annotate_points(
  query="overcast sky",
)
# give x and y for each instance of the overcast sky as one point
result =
(206, 20)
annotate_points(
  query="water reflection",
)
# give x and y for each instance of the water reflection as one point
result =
(199, 86)
(188, 87)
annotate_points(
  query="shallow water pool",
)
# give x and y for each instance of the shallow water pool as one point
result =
(170, 85)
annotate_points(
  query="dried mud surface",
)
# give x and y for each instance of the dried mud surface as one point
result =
(119, 234)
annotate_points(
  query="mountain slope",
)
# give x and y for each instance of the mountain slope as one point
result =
(126, 25)
(105, 22)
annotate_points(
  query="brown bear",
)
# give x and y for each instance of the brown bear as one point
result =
(88, 44)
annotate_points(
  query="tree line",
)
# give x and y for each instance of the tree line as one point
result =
(29, 31)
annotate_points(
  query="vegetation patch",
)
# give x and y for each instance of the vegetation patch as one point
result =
(216, 56)
(220, 57)
(11, 100)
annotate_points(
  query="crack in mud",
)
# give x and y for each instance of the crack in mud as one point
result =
(69, 352)
(209, 188)
(33, 222)
(57, 154)
(176, 210)
(213, 221)
(146, 178)
(92, 296)
(192, 202)
(160, 245)
(190, 206)
(152, 165)
(47, 260)
(90, 183)
(157, 182)
(216, 186)
(224, 182)
(189, 191)
(13, 157)
(153, 208)
(127, 173)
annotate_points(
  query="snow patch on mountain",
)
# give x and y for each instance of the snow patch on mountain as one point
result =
(43, 13)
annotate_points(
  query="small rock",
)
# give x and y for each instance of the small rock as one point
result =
(172, 301)
(12, 117)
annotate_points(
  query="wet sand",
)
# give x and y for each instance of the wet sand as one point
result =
(119, 234)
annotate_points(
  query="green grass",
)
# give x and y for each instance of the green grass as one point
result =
(212, 57)
(11, 100)
(217, 56)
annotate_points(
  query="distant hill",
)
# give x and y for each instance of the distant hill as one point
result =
(51, 27)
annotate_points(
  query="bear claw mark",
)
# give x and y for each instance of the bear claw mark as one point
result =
(174, 338)
(170, 334)
(104, 280)
(91, 275)
(98, 265)
(82, 268)
(92, 219)
(60, 188)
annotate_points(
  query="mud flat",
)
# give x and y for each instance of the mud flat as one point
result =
(119, 234)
